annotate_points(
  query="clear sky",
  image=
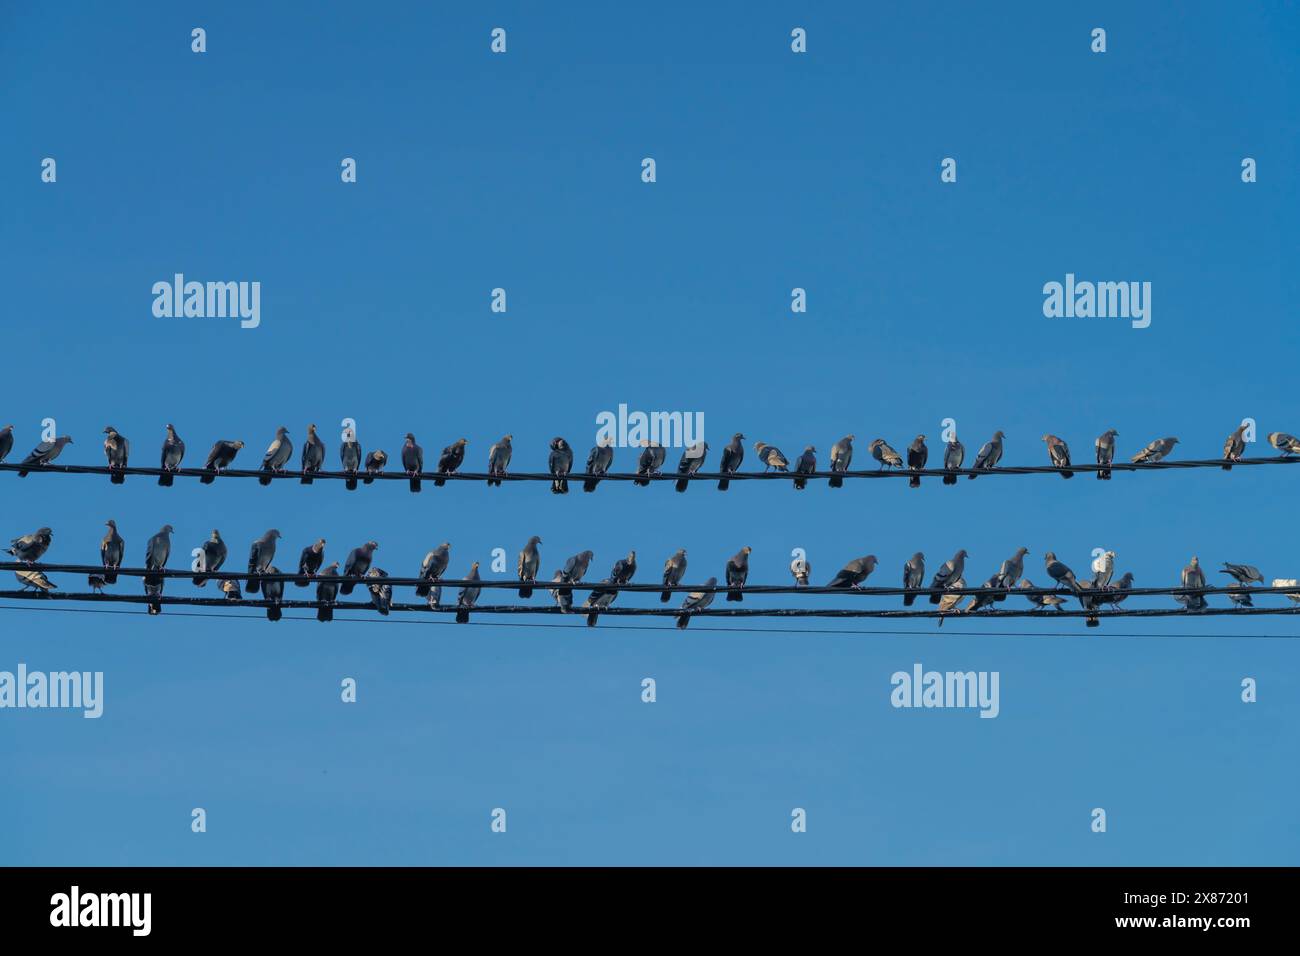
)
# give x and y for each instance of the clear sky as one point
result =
(775, 171)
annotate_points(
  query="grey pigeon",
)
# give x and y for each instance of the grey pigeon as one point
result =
(1234, 446)
(691, 461)
(651, 461)
(6, 441)
(954, 453)
(883, 453)
(357, 564)
(989, 592)
(499, 459)
(563, 596)
(696, 601)
(117, 450)
(350, 459)
(597, 601)
(576, 566)
(381, 592)
(990, 454)
(1059, 573)
(737, 573)
(1286, 444)
(30, 547)
(111, 549)
(277, 454)
(950, 571)
(841, 458)
(530, 559)
(273, 591)
(624, 569)
(1009, 572)
(213, 552)
(260, 554)
(1192, 577)
(157, 551)
(732, 456)
(468, 595)
(35, 579)
(1243, 573)
(1088, 600)
(771, 457)
(432, 569)
(598, 463)
(674, 569)
(560, 464)
(45, 452)
(1105, 453)
(412, 461)
(913, 576)
(375, 462)
(1059, 454)
(1118, 591)
(1155, 451)
(854, 573)
(806, 466)
(949, 601)
(309, 562)
(173, 453)
(326, 593)
(313, 455)
(450, 460)
(1041, 600)
(1241, 597)
(96, 582)
(219, 459)
(801, 570)
(917, 455)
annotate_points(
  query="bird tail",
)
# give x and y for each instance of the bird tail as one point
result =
(683, 620)
(324, 613)
(306, 479)
(950, 479)
(383, 609)
(836, 482)
(560, 486)
(422, 590)
(439, 482)
(591, 618)
(22, 474)
(369, 479)
(664, 596)
(908, 599)
(264, 479)
(1092, 622)
(934, 599)
(724, 484)
(300, 582)
(1227, 467)
(155, 607)
(941, 620)
(972, 476)
(199, 580)
(117, 478)
(252, 585)
(800, 484)
(165, 479)
(110, 577)
(462, 616)
(491, 482)
(273, 613)
(346, 587)
(525, 592)
(681, 484)
(1103, 474)
(590, 484)
(914, 481)
(350, 484)
(1066, 473)
(415, 486)
(735, 596)
(208, 478)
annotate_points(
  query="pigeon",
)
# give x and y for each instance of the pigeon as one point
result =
(451, 458)
(30, 547)
(1119, 591)
(560, 464)
(576, 566)
(1105, 453)
(350, 459)
(213, 554)
(219, 459)
(807, 465)
(1192, 577)
(1234, 446)
(674, 569)
(499, 460)
(913, 576)
(948, 601)
(259, 557)
(696, 601)
(313, 455)
(650, 462)
(691, 461)
(412, 463)
(732, 455)
(597, 601)
(375, 462)
(841, 458)
(1240, 597)
(309, 562)
(431, 569)
(1155, 451)
(990, 454)
(1059, 454)
(45, 452)
(917, 455)
(529, 561)
(173, 453)
(883, 453)
(157, 551)
(1089, 601)
(326, 593)
(771, 457)
(950, 571)
(854, 573)
(467, 596)
(1041, 600)
(800, 569)
(1009, 572)
(1286, 444)
(357, 564)
(1103, 569)
(6, 441)
(985, 598)
(272, 591)
(954, 453)
(117, 450)
(1243, 573)
(624, 569)
(563, 596)
(35, 579)
(277, 454)
(737, 573)
(230, 587)
(111, 550)
(96, 583)
(381, 592)
(1059, 573)
(598, 463)
(1288, 583)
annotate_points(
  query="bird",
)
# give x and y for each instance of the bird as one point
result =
(230, 587)
(1234, 446)
(273, 591)
(499, 460)
(111, 549)
(260, 554)
(737, 573)
(597, 601)
(173, 453)
(431, 569)
(1041, 600)
(1192, 577)
(1105, 453)
(212, 555)
(309, 562)
(1240, 597)
(1286, 444)
(1119, 590)
(651, 461)
(806, 465)
(801, 570)
(674, 569)
(1103, 569)
(1288, 583)
(1242, 573)
(157, 551)
(841, 458)
(917, 455)
(1058, 572)
(467, 596)
(117, 450)
(563, 596)
(948, 601)
(375, 462)
(771, 457)
(691, 461)
(1155, 451)
(576, 566)
(989, 592)
(44, 453)
(313, 455)
(30, 547)
(1058, 452)
(1089, 599)
(732, 456)
(990, 454)
(883, 453)
(854, 573)
(913, 576)
(381, 592)
(412, 463)
(624, 569)
(34, 578)
(96, 583)
(950, 571)
(954, 453)
(451, 458)
(598, 463)
(350, 459)
(219, 459)
(277, 454)
(357, 564)
(560, 464)
(696, 601)
(326, 593)
(6, 441)
(1009, 571)
(530, 559)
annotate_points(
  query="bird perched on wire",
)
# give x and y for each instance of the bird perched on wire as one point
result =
(381, 592)
(883, 453)
(989, 592)
(598, 463)
(273, 591)
(854, 573)
(691, 461)
(800, 569)
(1008, 572)
(499, 460)
(1105, 453)
(954, 453)
(313, 455)
(732, 456)
(674, 569)
(412, 461)
(30, 547)
(358, 563)
(990, 454)
(771, 457)
(576, 567)
(1240, 597)
(431, 571)
(913, 576)
(1059, 572)
(1286, 444)
(1243, 573)
(949, 601)
(350, 459)
(44, 453)
(468, 596)
(917, 455)
(1192, 577)
(96, 582)
(1234, 446)
(220, 458)
(326, 593)
(597, 601)
(1058, 452)
(841, 458)
(696, 601)
(309, 562)
(173, 453)
(560, 464)
(212, 555)
(1155, 451)
(6, 441)
(651, 461)
(1118, 591)
(452, 457)
(624, 569)
(1041, 600)
(111, 549)
(806, 465)
(35, 579)
(738, 573)
(260, 555)
(530, 559)
(1103, 568)
(117, 450)
(375, 462)
(277, 454)
(230, 588)
(157, 551)
(563, 596)
(950, 571)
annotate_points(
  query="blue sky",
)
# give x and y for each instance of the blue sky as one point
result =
(774, 171)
